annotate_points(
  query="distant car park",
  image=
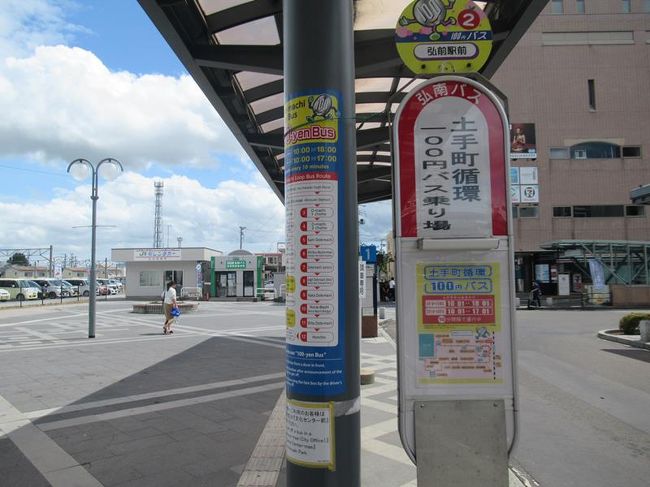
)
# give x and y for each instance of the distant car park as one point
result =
(4, 295)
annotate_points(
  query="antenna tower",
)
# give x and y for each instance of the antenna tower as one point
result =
(157, 217)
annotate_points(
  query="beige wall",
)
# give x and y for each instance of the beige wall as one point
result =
(547, 85)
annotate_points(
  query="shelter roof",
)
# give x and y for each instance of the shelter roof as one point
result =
(233, 50)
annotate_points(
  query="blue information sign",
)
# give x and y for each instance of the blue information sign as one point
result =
(368, 253)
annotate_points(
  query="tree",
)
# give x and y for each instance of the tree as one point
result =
(18, 259)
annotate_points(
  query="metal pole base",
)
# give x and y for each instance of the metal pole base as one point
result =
(461, 443)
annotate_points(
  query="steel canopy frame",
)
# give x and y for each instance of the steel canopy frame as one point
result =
(614, 255)
(254, 114)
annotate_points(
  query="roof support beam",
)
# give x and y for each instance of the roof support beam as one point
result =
(258, 59)
(371, 137)
(240, 14)
(271, 141)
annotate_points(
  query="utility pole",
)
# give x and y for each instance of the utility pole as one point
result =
(323, 387)
(241, 237)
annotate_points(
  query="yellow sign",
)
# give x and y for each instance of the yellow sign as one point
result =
(459, 323)
(443, 36)
(312, 118)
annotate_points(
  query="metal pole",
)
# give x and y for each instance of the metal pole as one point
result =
(319, 68)
(93, 273)
(51, 261)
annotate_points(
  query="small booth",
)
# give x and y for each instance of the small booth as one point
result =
(149, 269)
(236, 275)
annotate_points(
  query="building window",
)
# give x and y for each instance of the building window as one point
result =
(587, 38)
(646, 6)
(598, 211)
(580, 6)
(595, 150)
(562, 211)
(557, 6)
(626, 6)
(591, 87)
(151, 279)
(632, 151)
(515, 211)
(528, 211)
(635, 210)
(559, 153)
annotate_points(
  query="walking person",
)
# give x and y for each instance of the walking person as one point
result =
(391, 289)
(169, 303)
(535, 295)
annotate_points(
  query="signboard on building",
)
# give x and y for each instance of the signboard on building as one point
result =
(524, 187)
(155, 255)
(452, 206)
(436, 36)
(236, 264)
(522, 141)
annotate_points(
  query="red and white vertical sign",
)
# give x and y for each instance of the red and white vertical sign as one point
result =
(450, 145)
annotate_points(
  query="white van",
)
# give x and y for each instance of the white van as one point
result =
(83, 285)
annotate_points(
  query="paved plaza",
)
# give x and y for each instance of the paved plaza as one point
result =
(133, 407)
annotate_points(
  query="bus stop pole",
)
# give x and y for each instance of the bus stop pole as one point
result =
(319, 55)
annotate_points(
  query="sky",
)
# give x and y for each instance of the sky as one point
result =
(94, 79)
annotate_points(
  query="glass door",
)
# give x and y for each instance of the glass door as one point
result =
(249, 284)
(226, 284)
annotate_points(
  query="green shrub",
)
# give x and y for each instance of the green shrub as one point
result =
(629, 323)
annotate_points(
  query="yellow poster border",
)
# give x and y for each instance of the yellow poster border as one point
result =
(320, 405)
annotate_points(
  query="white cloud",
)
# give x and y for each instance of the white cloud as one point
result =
(65, 103)
(26, 24)
(202, 216)
(378, 221)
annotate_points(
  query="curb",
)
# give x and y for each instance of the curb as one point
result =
(607, 335)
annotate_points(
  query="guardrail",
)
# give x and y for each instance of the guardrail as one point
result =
(191, 293)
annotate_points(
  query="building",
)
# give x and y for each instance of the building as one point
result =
(148, 269)
(272, 264)
(578, 89)
(236, 275)
(24, 271)
(76, 273)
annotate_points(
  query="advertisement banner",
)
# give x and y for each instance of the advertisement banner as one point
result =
(529, 193)
(522, 141)
(313, 169)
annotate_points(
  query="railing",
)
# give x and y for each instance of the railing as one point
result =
(191, 293)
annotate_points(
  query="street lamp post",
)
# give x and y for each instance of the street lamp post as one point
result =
(80, 169)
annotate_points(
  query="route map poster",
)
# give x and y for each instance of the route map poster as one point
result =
(459, 324)
(313, 153)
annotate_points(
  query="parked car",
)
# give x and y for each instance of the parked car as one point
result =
(82, 285)
(34, 284)
(19, 289)
(102, 289)
(4, 295)
(112, 288)
(53, 288)
(72, 290)
(118, 284)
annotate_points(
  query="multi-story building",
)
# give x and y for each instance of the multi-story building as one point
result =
(578, 89)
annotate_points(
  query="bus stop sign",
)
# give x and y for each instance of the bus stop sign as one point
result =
(454, 253)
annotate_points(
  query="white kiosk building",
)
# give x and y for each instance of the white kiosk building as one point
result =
(148, 269)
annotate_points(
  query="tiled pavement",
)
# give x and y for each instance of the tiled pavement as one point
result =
(145, 410)
(134, 407)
